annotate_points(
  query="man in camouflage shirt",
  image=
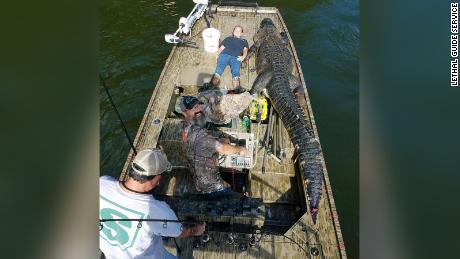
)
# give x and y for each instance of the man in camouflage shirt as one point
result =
(219, 107)
(202, 150)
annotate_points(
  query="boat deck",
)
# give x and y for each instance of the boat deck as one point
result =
(188, 68)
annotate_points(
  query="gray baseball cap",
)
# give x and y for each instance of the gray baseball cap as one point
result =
(150, 162)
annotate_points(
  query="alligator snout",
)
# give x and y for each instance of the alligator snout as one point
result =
(266, 22)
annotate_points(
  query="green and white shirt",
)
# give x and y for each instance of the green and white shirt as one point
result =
(123, 239)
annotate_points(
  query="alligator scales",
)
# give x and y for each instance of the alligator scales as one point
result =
(274, 73)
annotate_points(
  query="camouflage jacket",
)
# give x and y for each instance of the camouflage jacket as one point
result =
(220, 108)
(200, 151)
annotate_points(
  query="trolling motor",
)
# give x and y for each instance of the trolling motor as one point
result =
(185, 24)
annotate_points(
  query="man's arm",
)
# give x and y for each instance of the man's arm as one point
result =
(221, 48)
(196, 230)
(245, 54)
(222, 147)
(227, 149)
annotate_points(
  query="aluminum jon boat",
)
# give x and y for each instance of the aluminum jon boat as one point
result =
(272, 220)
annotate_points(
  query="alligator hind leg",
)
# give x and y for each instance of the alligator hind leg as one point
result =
(297, 89)
(294, 84)
(261, 82)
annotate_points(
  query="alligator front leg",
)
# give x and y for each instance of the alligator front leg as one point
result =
(261, 82)
(284, 38)
(263, 65)
(252, 50)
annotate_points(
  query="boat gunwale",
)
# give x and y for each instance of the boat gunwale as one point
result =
(311, 116)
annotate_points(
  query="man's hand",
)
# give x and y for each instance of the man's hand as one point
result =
(227, 149)
(196, 230)
(243, 151)
(199, 229)
(240, 58)
(221, 48)
(224, 140)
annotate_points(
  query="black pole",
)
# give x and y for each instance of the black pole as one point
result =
(118, 114)
(209, 8)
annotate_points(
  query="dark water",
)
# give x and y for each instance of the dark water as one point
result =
(326, 37)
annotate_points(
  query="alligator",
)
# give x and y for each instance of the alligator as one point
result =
(274, 73)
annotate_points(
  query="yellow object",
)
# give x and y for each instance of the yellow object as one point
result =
(259, 105)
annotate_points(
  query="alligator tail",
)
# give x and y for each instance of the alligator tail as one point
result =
(308, 149)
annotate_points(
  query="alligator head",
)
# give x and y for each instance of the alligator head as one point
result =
(267, 29)
(266, 22)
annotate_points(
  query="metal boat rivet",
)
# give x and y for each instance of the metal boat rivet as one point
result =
(205, 238)
(230, 240)
(252, 241)
(314, 251)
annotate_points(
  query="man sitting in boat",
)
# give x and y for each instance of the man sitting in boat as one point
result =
(132, 200)
(232, 51)
(202, 150)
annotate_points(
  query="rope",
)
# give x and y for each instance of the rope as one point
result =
(290, 239)
(295, 242)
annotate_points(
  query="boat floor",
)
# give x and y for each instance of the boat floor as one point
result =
(187, 68)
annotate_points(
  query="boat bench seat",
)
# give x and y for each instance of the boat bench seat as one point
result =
(170, 142)
(179, 182)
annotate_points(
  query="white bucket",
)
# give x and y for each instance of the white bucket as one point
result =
(211, 40)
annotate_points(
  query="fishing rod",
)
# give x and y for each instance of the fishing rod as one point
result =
(118, 114)
(139, 224)
(252, 239)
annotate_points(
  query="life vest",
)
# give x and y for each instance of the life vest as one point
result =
(258, 106)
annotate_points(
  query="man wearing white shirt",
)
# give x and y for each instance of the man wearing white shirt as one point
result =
(131, 200)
